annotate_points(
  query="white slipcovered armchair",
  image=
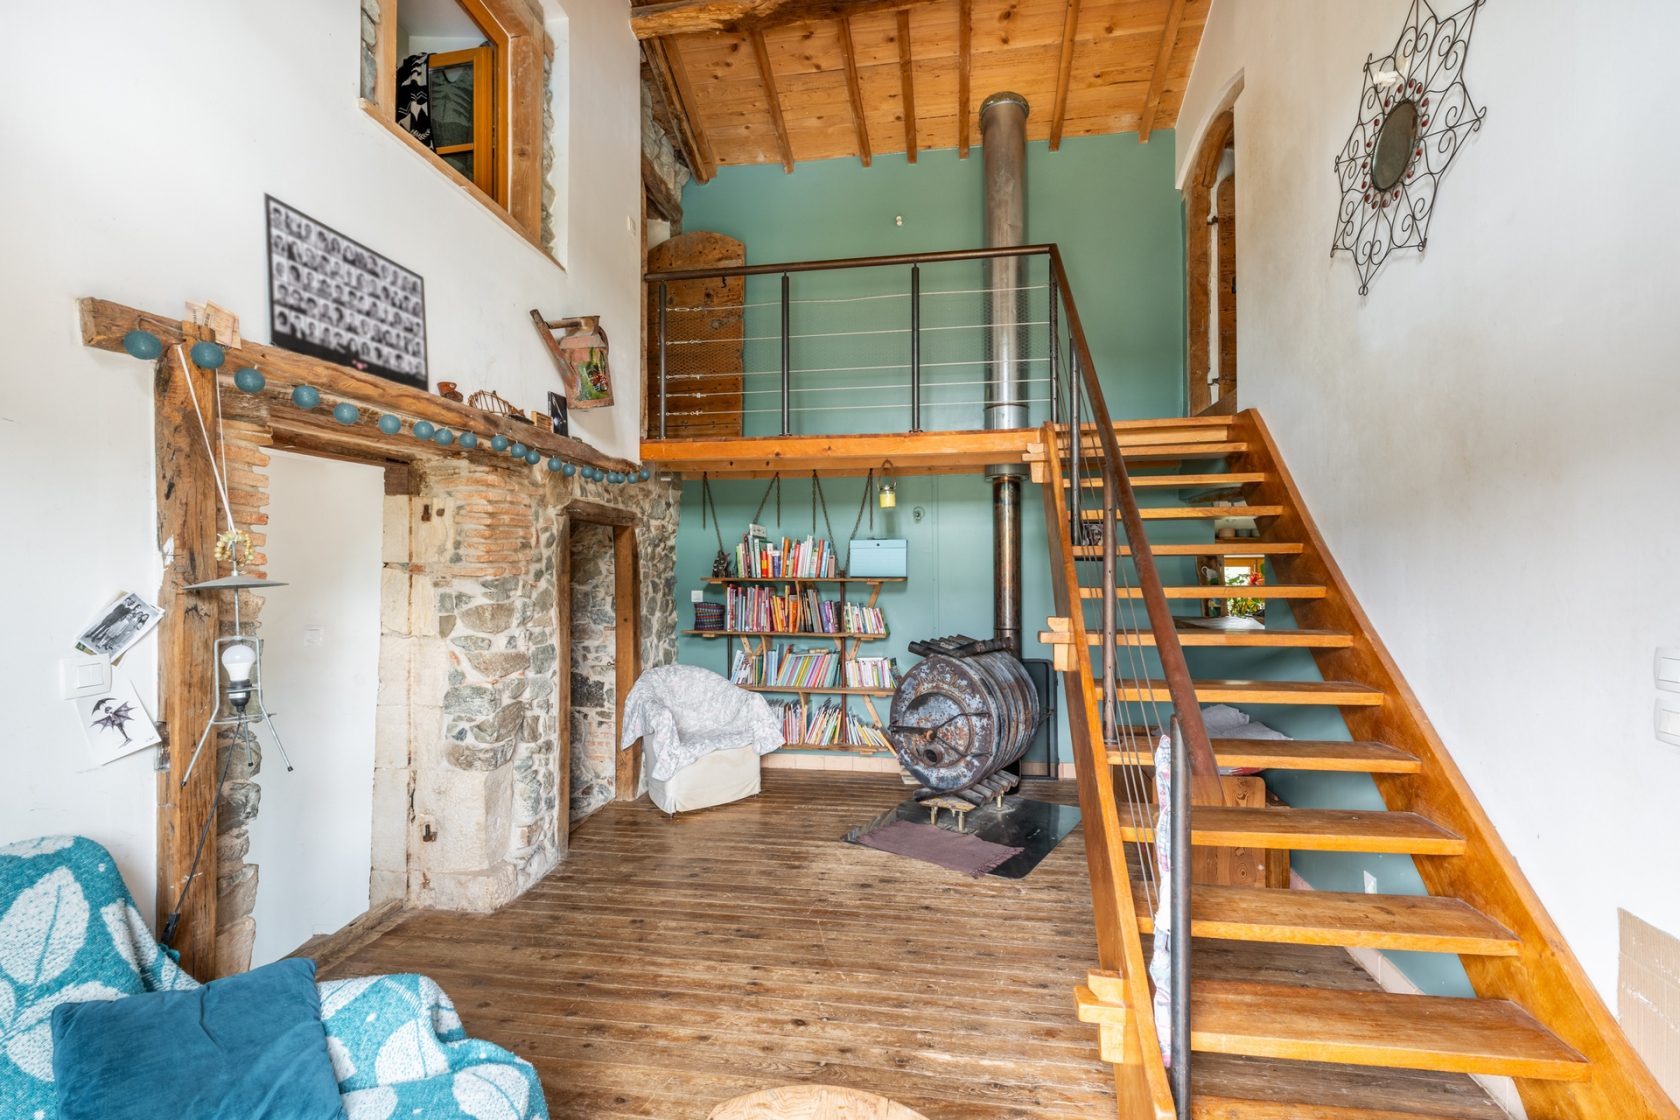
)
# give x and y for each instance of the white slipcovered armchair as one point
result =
(701, 736)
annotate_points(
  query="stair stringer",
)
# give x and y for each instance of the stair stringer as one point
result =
(1545, 977)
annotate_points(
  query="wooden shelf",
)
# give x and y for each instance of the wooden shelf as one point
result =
(781, 634)
(818, 691)
(807, 579)
(841, 748)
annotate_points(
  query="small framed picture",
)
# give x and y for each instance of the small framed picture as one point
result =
(117, 627)
(557, 414)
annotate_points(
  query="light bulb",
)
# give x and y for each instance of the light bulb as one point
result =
(238, 659)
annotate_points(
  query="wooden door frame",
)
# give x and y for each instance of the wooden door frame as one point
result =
(1198, 257)
(627, 641)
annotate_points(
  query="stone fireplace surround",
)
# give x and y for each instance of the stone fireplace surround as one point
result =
(472, 732)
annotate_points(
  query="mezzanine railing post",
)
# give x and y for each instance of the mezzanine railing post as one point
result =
(915, 348)
(787, 358)
(1055, 359)
(664, 338)
(1180, 948)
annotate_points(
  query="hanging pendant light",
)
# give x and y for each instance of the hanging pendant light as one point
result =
(887, 489)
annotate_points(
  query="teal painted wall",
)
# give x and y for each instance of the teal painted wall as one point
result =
(1109, 202)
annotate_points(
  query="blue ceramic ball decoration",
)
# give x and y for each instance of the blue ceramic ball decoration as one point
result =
(424, 429)
(498, 443)
(142, 344)
(444, 437)
(644, 474)
(306, 397)
(389, 424)
(596, 474)
(468, 440)
(568, 469)
(554, 464)
(616, 476)
(346, 413)
(533, 457)
(208, 355)
(518, 451)
(249, 380)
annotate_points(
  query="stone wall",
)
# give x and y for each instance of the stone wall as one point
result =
(593, 684)
(470, 731)
(659, 148)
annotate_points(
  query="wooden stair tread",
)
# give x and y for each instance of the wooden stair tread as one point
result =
(1177, 481)
(1263, 692)
(1241, 1108)
(1238, 546)
(1303, 830)
(1294, 754)
(1212, 591)
(1201, 636)
(1494, 1037)
(1192, 513)
(1420, 923)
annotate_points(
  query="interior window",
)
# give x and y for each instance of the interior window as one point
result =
(447, 88)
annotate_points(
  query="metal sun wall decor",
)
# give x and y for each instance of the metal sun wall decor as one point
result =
(1414, 113)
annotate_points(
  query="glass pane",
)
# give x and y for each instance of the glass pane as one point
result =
(460, 161)
(451, 89)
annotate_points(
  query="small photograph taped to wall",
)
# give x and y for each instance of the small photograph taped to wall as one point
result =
(117, 627)
(332, 297)
(557, 414)
(115, 723)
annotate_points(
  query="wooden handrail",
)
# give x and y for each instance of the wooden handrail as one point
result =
(941, 257)
(1204, 770)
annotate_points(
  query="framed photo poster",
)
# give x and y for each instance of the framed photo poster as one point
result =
(332, 297)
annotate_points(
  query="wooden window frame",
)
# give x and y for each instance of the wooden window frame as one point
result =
(487, 145)
(521, 43)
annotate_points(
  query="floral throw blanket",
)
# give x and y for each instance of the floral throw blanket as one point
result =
(70, 932)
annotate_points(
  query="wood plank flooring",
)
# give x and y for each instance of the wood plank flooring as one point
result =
(671, 965)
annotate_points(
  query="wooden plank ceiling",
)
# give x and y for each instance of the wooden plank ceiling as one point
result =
(777, 81)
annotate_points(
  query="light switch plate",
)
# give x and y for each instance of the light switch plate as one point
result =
(1667, 668)
(1668, 722)
(83, 676)
(313, 635)
(697, 596)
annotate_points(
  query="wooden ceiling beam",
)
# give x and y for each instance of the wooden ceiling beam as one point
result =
(965, 66)
(672, 78)
(768, 77)
(907, 80)
(1158, 77)
(855, 89)
(1064, 72)
(685, 17)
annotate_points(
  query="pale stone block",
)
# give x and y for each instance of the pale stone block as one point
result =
(233, 946)
(387, 886)
(472, 812)
(391, 737)
(422, 607)
(395, 651)
(390, 820)
(393, 601)
(396, 529)
(429, 663)
(480, 891)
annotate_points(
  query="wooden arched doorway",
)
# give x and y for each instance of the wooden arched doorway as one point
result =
(1210, 215)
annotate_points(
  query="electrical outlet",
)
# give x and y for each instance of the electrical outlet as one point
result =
(697, 596)
(1370, 883)
(313, 635)
(83, 676)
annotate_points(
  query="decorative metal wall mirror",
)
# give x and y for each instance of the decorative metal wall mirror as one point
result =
(1414, 113)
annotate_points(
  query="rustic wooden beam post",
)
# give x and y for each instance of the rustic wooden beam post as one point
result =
(849, 52)
(1064, 72)
(907, 80)
(188, 514)
(1158, 76)
(772, 97)
(627, 607)
(965, 65)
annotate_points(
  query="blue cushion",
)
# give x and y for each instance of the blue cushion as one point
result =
(248, 1047)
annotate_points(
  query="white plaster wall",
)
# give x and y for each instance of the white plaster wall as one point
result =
(312, 840)
(137, 173)
(1488, 438)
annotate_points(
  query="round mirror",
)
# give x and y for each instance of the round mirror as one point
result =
(1395, 142)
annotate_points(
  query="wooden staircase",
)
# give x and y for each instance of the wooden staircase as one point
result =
(1535, 1016)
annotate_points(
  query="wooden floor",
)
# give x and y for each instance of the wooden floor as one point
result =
(671, 965)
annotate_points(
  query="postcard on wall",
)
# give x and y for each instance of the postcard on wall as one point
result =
(119, 626)
(332, 297)
(115, 723)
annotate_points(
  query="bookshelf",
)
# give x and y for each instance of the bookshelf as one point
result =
(759, 642)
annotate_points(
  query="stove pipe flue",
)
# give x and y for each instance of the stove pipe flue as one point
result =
(1003, 146)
